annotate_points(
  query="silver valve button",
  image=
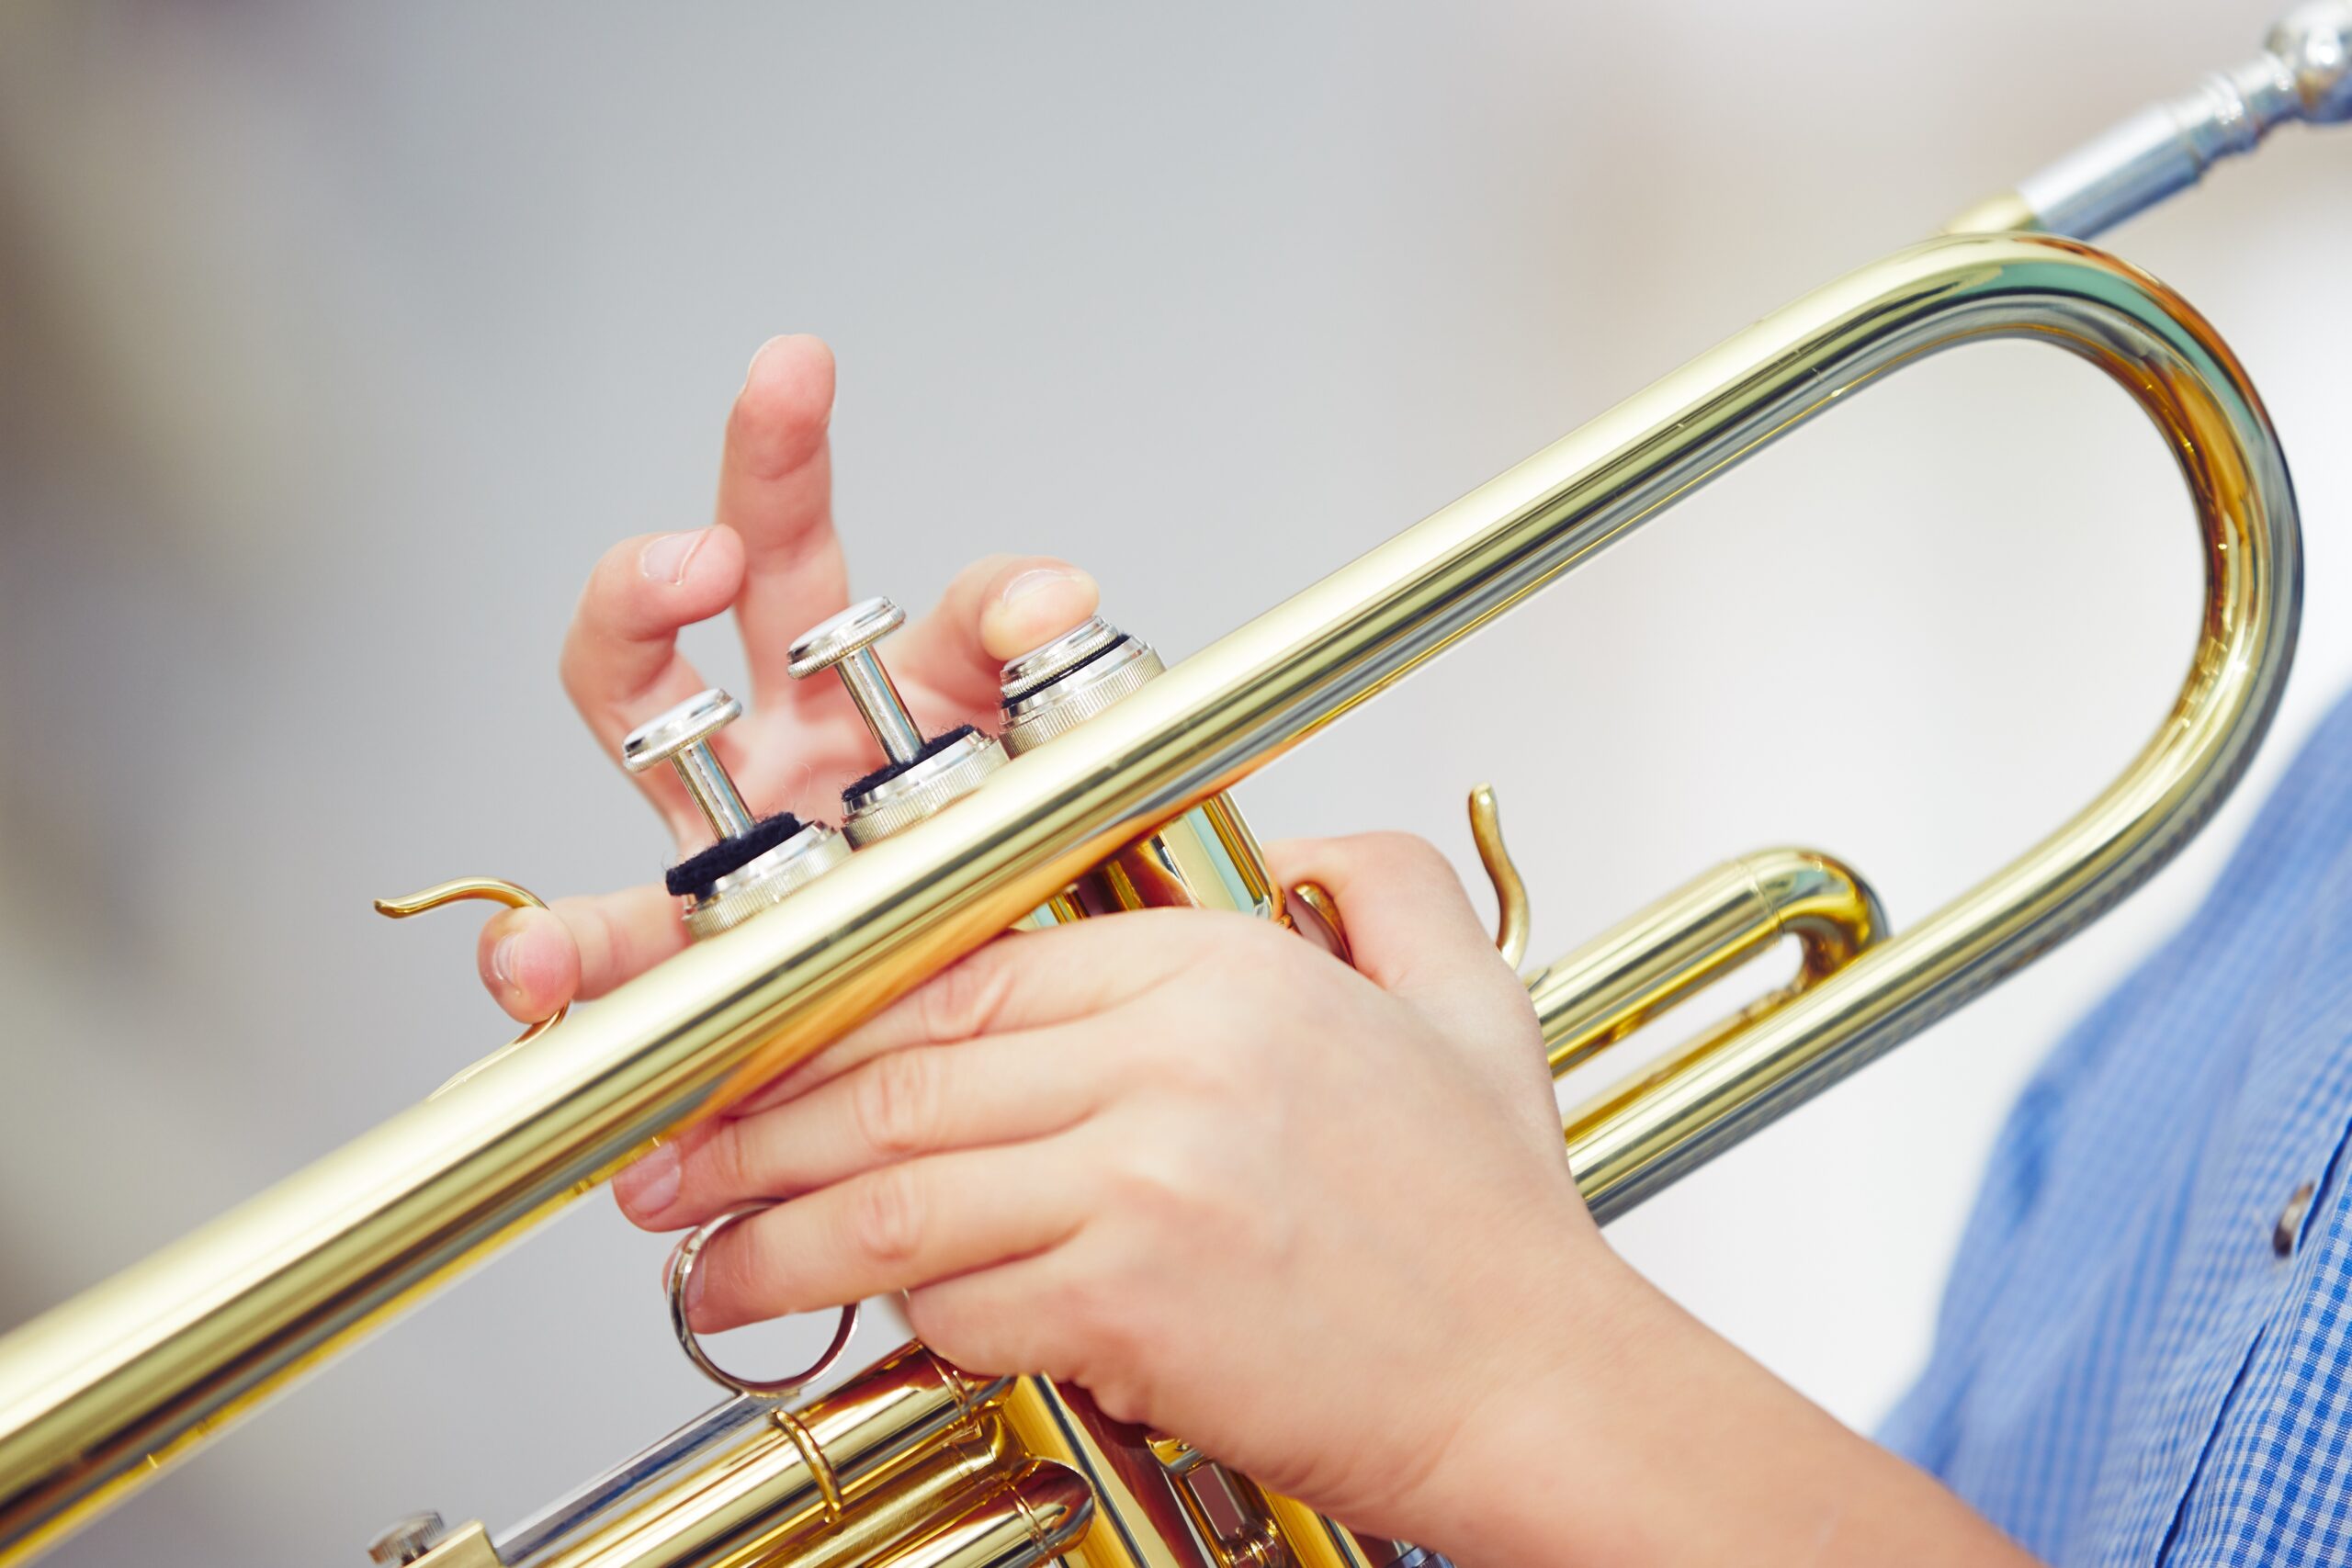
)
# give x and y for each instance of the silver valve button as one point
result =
(754, 863)
(924, 775)
(682, 738)
(846, 643)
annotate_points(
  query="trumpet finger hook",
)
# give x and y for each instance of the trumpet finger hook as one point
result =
(492, 890)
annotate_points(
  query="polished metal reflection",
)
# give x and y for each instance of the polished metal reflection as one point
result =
(921, 789)
(110, 1387)
(682, 738)
(766, 880)
(2304, 74)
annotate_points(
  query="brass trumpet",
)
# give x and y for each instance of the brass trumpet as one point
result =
(914, 1463)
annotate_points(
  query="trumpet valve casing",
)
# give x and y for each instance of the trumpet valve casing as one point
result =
(1206, 858)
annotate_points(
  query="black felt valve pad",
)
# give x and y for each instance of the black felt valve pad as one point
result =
(693, 877)
(884, 774)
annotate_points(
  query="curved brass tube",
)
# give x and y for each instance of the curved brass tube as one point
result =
(1621, 979)
(103, 1390)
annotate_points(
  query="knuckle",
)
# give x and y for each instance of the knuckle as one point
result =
(723, 1165)
(966, 999)
(1156, 1182)
(1211, 1065)
(1122, 1397)
(1403, 852)
(1241, 955)
(1109, 1336)
(607, 938)
(738, 1283)
(885, 1215)
(945, 1330)
(895, 1101)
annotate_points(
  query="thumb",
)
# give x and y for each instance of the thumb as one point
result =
(1410, 927)
(534, 962)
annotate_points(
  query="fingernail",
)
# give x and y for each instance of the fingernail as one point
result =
(502, 959)
(664, 560)
(693, 1291)
(1033, 580)
(751, 368)
(651, 1185)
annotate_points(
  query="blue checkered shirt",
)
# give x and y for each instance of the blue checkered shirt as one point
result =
(2145, 1349)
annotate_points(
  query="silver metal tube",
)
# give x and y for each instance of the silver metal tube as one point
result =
(706, 781)
(877, 698)
(2301, 74)
(557, 1527)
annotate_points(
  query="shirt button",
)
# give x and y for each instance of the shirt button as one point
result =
(2289, 1228)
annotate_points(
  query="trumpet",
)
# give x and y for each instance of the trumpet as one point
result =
(1109, 790)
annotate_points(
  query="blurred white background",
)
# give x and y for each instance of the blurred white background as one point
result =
(336, 341)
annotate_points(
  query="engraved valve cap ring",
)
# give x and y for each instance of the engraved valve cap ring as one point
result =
(407, 1541)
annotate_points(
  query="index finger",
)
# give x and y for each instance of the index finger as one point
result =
(621, 663)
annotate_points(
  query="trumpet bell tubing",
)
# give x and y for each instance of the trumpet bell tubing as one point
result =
(105, 1389)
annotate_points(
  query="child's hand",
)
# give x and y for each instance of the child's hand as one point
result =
(772, 558)
(1312, 1220)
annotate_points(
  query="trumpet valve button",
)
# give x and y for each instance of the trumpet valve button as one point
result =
(662, 736)
(682, 738)
(845, 643)
(826, 644)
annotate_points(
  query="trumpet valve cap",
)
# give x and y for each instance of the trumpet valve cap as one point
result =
(663, 737)
(859, 626)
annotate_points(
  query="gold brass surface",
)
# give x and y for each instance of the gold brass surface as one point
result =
(1624, 977)
(1510, 888)
(874, 1461)
(1325, 908)
(963, 1470)
(2008, 213)
(1205, 859)
(1036, 1517)
(108, 1388)
(467, 1546)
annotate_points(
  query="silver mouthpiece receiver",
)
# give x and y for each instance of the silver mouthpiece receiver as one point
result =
(2304, 74)
(755, 863)
(2315, 43)
(1052, 689)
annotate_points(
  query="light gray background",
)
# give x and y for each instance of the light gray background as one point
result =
(336, 341)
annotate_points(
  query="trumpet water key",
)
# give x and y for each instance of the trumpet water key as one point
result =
(1107, 792)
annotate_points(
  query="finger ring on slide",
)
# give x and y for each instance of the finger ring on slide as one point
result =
(683, 1263)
